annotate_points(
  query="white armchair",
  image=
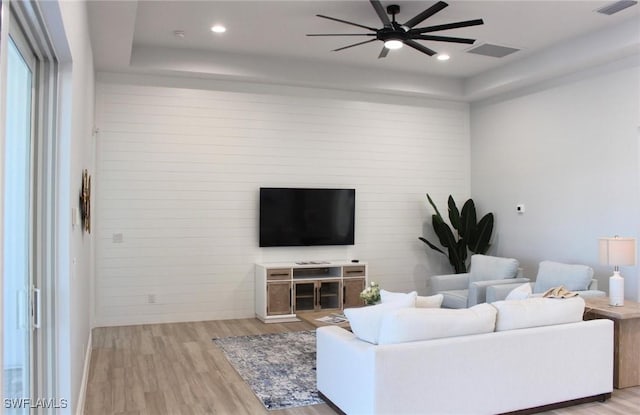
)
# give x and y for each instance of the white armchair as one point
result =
(468, 289)
(578, 278)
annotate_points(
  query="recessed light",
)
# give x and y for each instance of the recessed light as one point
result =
(218, 29)
(443, 57)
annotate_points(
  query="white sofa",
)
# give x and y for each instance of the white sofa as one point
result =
(487, 373)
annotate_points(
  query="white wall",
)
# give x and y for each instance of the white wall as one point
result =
(570, 153)
(180, 163)
(76, 152)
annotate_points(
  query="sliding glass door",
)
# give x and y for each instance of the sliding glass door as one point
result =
(20, 299)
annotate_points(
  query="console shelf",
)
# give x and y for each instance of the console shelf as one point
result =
(284, 289)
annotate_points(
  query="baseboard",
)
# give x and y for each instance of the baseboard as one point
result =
(134, 320)
(85, 377)
(544, 408)
(331, 404)
(601, 398)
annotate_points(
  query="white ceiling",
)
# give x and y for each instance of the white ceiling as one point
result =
(265, 41)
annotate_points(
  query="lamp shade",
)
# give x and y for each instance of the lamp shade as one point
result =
(617, 251)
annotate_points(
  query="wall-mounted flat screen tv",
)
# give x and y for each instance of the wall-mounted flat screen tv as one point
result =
(306, 217)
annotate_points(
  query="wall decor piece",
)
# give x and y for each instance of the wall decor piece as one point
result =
(85, 201)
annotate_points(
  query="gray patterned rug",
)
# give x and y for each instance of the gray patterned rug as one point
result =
(280, 367)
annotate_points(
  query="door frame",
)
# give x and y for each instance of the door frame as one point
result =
(28, 18)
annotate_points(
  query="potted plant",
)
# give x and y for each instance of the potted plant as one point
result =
(470, 234)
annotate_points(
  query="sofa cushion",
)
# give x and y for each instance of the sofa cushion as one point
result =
(415, 324)
(431, 301)
(365, 321)
(554, 274)
(521, 292)
(537, 312)
(389, 297)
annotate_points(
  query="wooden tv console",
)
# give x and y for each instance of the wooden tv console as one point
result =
(284, 289)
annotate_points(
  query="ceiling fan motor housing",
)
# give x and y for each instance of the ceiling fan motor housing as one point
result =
(396, 32)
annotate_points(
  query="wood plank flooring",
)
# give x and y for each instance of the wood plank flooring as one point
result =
(176, 369)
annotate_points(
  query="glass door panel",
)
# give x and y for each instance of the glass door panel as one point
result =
(305, 296)
(17, 232)
(329, 294)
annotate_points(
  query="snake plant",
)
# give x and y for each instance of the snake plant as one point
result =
(469, 235)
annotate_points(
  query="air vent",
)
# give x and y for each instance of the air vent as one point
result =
(616, 7)
(494, 51)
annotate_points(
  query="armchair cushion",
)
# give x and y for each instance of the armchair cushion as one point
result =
(455, 298)
(554, 274)
(448, 282)
(485, 267)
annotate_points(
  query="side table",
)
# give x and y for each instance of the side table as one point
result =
(626, 337)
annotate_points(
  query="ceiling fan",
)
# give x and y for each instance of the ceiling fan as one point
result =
(394, 34)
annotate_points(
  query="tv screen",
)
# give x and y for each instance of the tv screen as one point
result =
(306, 217)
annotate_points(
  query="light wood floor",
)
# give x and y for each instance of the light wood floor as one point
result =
(176, 369)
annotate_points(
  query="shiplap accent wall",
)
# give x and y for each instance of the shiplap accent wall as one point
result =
(178, 176)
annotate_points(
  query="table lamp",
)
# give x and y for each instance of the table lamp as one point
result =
(618, 252)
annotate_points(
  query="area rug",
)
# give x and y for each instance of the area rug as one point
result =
(280, 368)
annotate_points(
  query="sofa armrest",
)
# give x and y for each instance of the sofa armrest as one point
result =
(478, 289)
(449, 282)
(345, 364)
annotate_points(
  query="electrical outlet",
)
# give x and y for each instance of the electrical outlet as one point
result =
(151, 299)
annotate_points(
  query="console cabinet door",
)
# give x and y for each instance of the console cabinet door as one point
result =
(278, 298)
(304, 296)
(329, 295)
(352, 289)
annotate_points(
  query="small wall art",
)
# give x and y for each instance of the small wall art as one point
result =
(85, 201)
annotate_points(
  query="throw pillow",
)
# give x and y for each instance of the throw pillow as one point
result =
(432, 301)
(521, 292)
(415, 324)
(389, 297)
(554, 274)
(537, 312)
(365, 321)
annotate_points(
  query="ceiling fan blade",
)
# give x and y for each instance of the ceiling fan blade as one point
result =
(455, 25)
(383, 53)
(421, 48)
(444, 39)
(382, 14)
(341, 34)
(355, 44)
(346, 22)
(419, 18)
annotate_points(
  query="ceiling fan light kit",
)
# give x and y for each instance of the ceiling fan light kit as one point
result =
(393, 44)
(394, 35)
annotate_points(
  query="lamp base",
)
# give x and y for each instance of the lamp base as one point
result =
(616, 290)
